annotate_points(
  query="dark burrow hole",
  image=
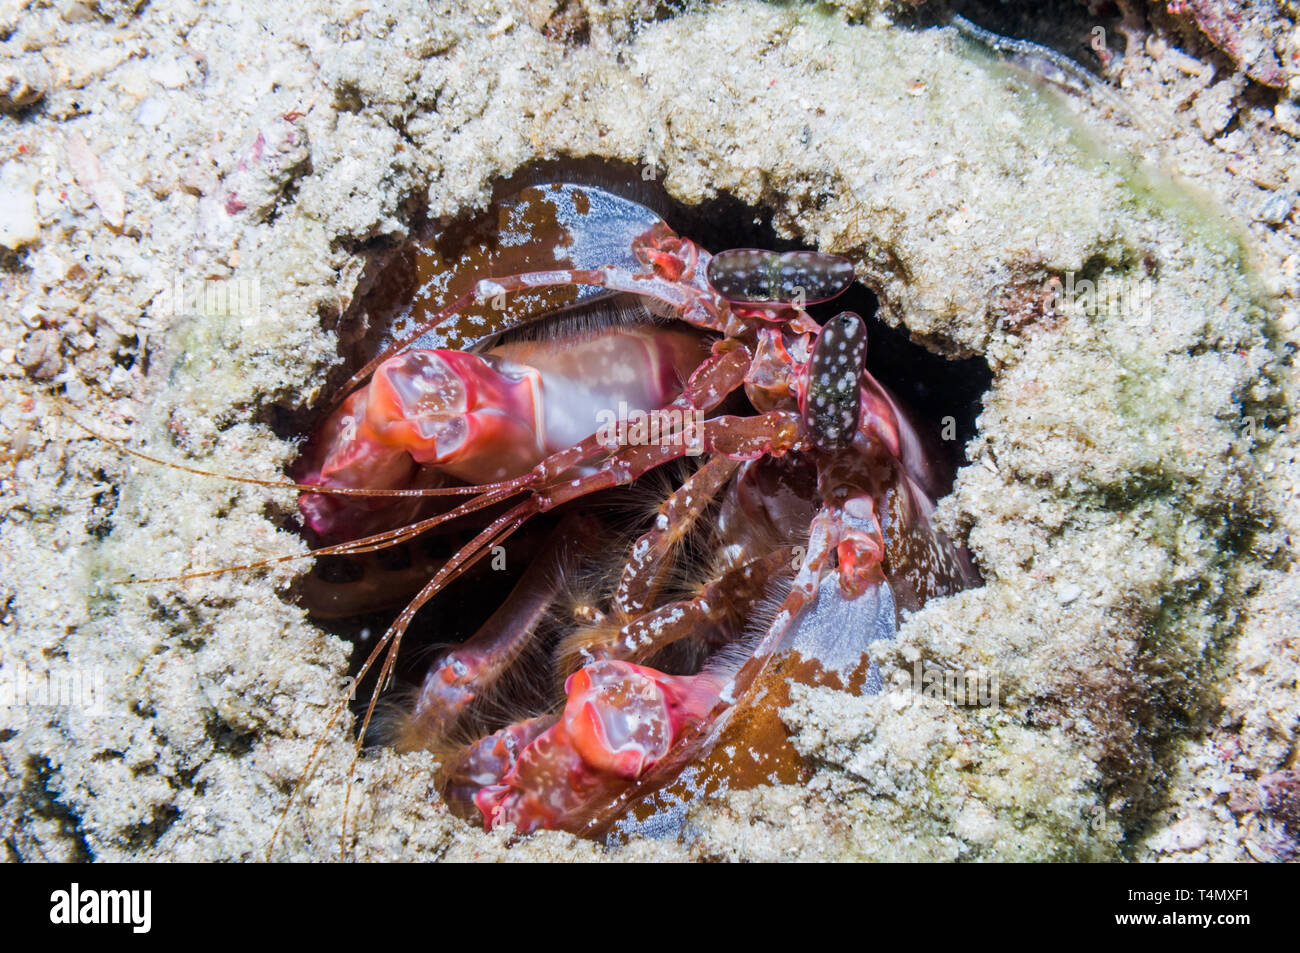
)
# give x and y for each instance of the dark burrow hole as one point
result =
(944, 396)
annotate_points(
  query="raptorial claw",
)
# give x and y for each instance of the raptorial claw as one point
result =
(620, 721)
(483, 418)
(472, 417)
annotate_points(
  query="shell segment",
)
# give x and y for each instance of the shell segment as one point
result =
(552, 228)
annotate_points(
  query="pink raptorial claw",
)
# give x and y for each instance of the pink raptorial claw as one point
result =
(620, 721)
(353, 459)
(484, 418)
(474, 417)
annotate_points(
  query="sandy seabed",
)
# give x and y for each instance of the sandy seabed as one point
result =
(1131, 499)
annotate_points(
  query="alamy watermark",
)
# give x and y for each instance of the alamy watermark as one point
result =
(21, 689)
(1132, 298)
(238, 298)
(673, 427)
(133, 908)
(969, 689)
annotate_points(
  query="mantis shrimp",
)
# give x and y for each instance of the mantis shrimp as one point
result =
(576, 344)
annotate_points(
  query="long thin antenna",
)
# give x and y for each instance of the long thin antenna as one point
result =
(1085, 78)
(274, 484)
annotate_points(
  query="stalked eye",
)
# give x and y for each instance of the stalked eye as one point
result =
(831, 407)
(754, 276)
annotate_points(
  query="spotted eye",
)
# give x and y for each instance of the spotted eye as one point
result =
(754, 276)
(830, 410)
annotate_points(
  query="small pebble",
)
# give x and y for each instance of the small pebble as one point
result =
(76, 11)
(151, 112)
(76, 390)
(1276, 208)
(119, 382)
(39, 355)
(1068, 593)
(503, 25)
(91, 175)
(30, 313)
(170, 73)
(22, 82)
(1189, 834)
(18, 222)
(1216, 107)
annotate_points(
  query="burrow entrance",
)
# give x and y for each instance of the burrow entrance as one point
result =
(944, 395)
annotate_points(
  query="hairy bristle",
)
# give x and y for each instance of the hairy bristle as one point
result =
(575, 649)
(580, 322)
(763, 613)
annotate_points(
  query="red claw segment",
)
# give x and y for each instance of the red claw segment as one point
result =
(474, 417)
(622, 718)
(354, 459)
(671, 258)
(483, 418)
(488, 760)
(620, 721)
(461, 412)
